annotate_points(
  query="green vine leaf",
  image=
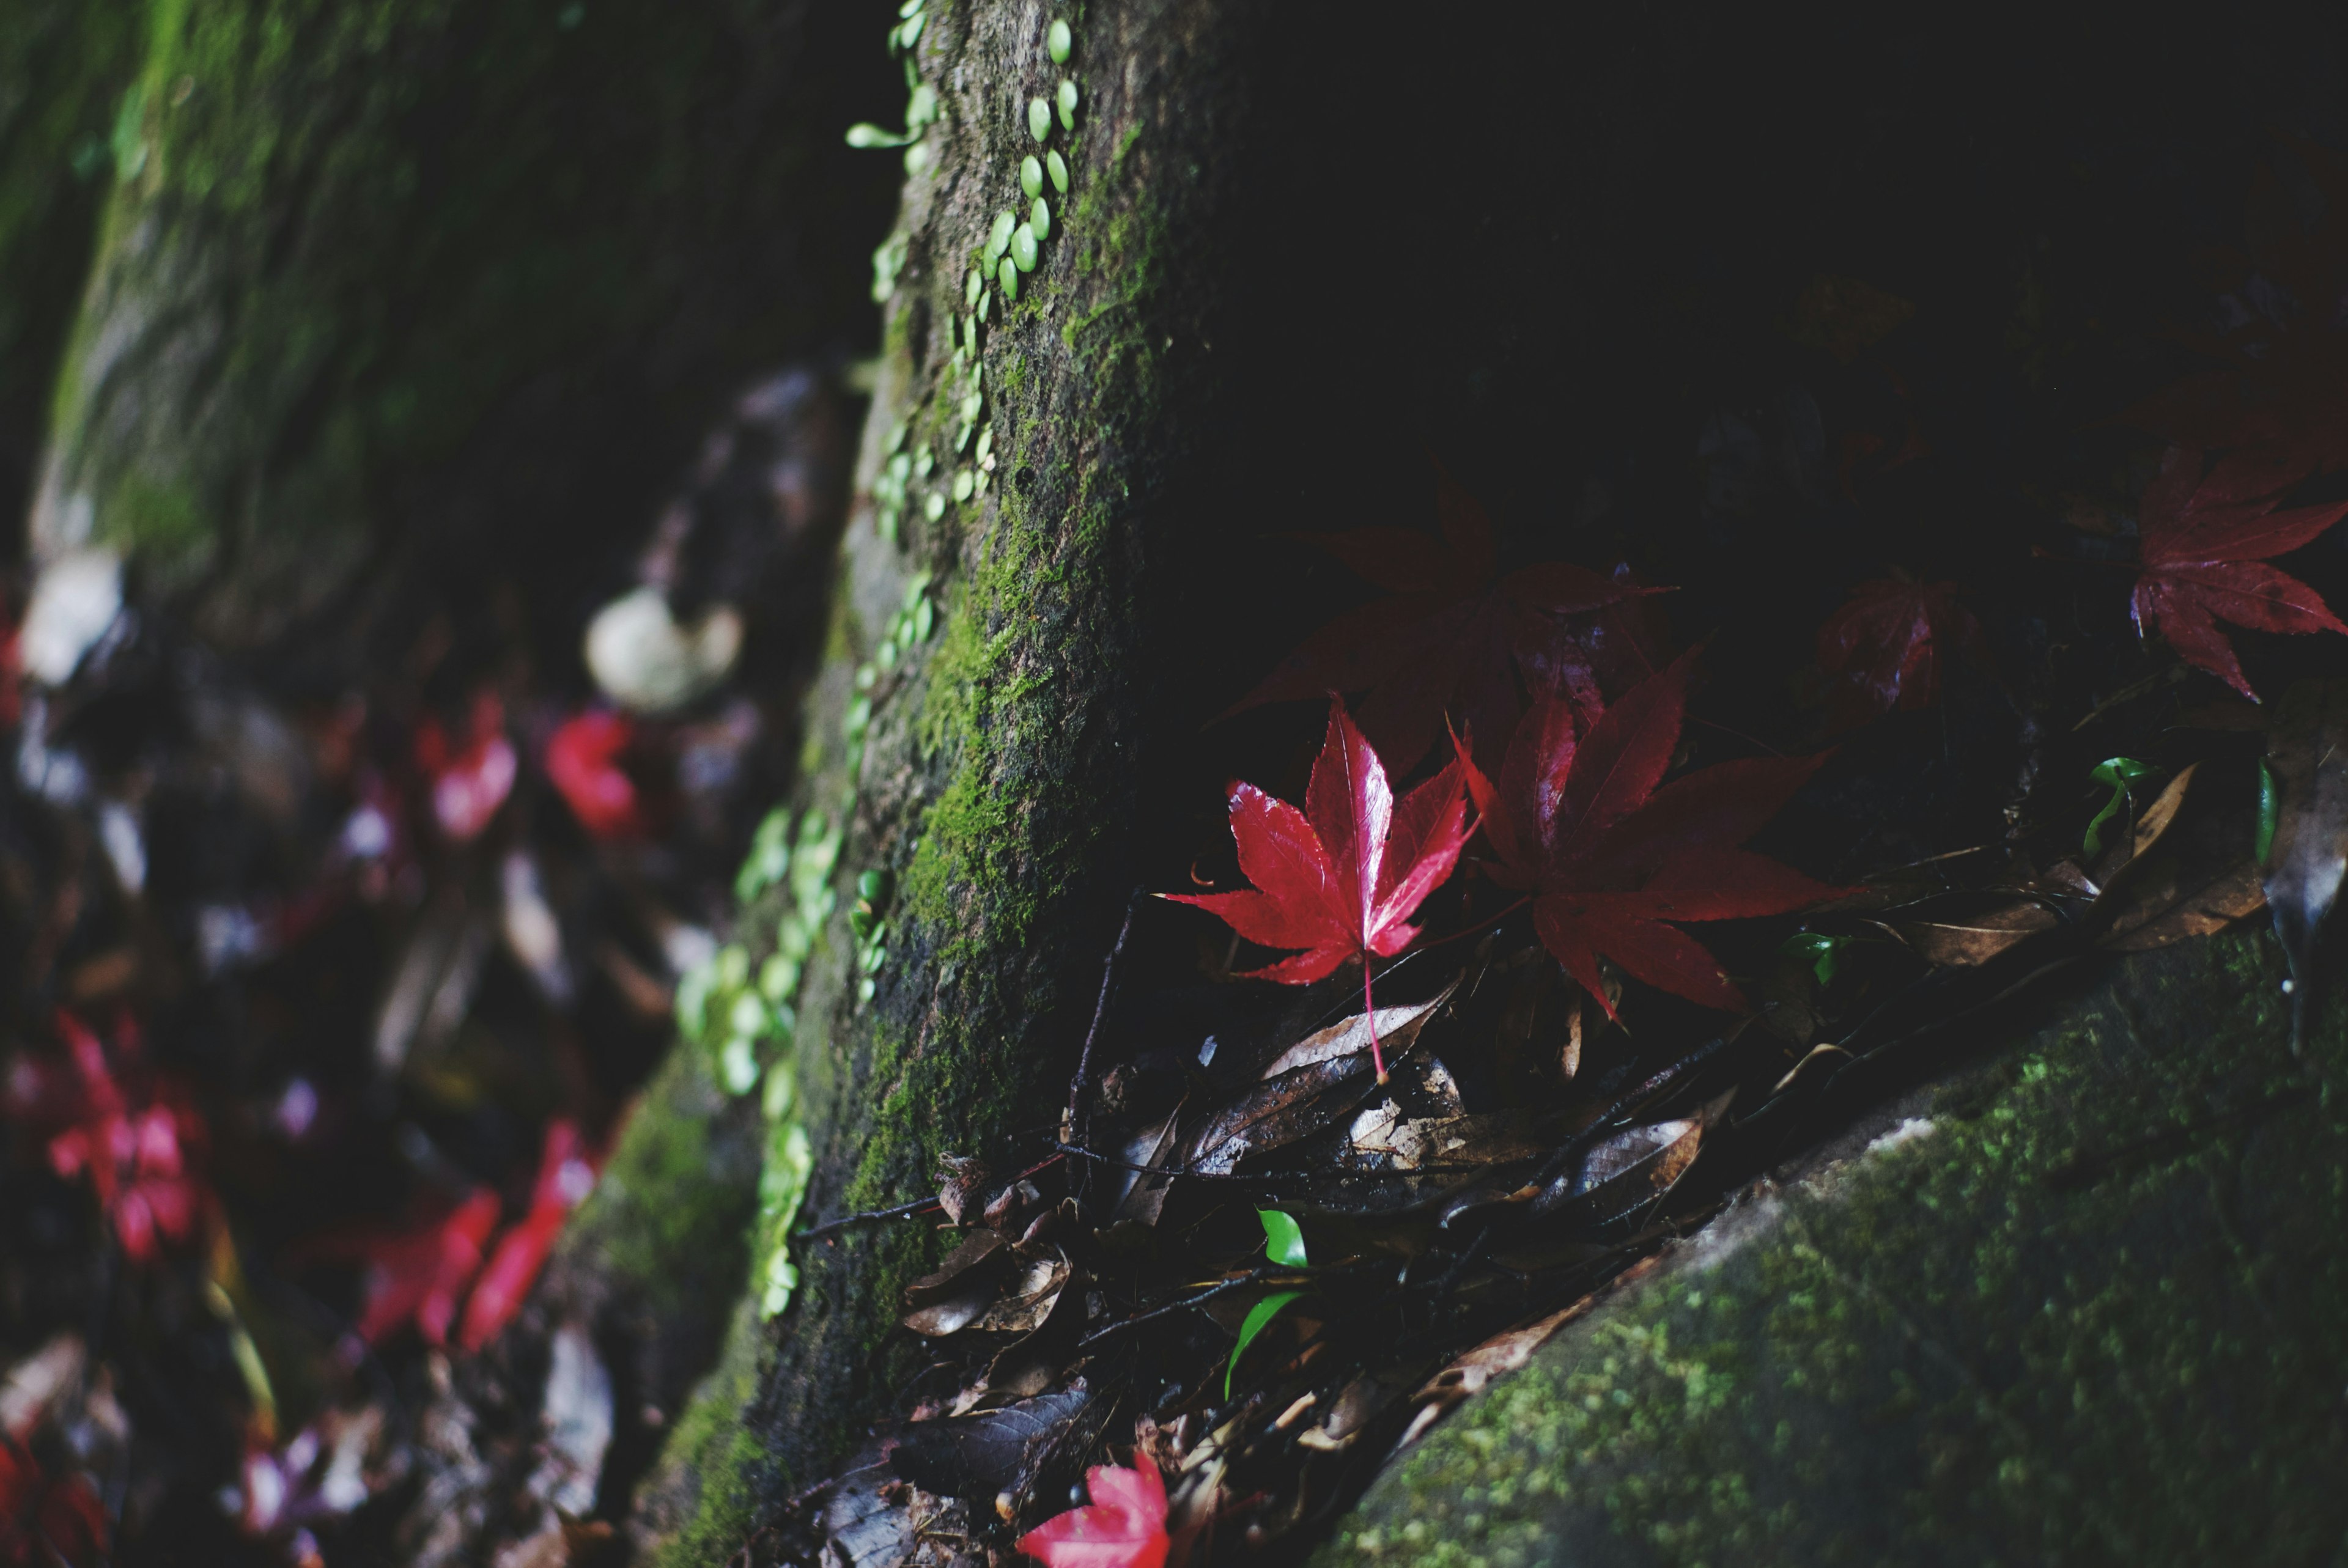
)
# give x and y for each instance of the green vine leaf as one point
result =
(1258, 1316)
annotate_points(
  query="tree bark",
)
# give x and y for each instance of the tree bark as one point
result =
(421, 273)
(999, 779)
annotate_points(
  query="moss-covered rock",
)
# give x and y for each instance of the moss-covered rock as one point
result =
(480, 273)
(2078, 1304)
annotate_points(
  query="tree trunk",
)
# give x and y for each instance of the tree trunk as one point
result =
(1010, 645)
(422, 274)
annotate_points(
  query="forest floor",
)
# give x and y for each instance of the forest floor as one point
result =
(334, 987)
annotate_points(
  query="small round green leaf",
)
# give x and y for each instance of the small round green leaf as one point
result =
(1031, 175)
(1039, 118)
(1283, 1240)
(1057, 167)
(971, 287)
(1023, 248)
(935, 508)
(1007, 276)
(1058, 41)
(1067, 101)
(998, 238)
(2270, 811)
(961, 485)
(1039, 219)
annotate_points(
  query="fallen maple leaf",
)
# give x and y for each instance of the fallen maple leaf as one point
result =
(582, 759)
(469, 785)
(1613, 861)
(1448, 637)
(2204, 557)
(1885, 646)
(416, 1274)
(1123, 1527)
(565, 1177)
(1342, 877)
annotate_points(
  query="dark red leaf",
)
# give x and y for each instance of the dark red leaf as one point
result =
(132, 1153)
(2202, 552)
(1340, 878)
(1457, 639)
(1886, 644)
(1614, 858)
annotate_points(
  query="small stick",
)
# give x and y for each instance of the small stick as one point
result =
(1079, 1117)
(1252, 1276)
(1267, 1177)
(900, 1212)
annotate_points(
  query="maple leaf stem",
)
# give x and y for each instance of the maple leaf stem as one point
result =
(1370, 1016)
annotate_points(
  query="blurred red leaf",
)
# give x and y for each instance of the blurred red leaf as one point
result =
(469, 783)
(583, 759)
(1123, 1527)
(1615, 858)
(1885, 647)
(566, 1174)
(1454, 630)
(416, 1274)
(2203, 553)
(1340, 878)
(42, 1520)
(134, 1158)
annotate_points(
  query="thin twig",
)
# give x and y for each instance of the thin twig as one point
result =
(1255, 1275)
(1079, 1113)
(900, 1212)
(1259, 1180)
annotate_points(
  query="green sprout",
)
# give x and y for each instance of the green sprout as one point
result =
(1283, 1243)
(2120, 772)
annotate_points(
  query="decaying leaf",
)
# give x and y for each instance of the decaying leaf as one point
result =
(2192, 874)
(964, 1285)
(1630, 1170)
(1028, 1299)
(1326, 1082)
(995, 1451)
(1963, 942)
(2307, 759)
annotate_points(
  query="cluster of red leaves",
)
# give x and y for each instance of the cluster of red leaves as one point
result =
(1456, 637)
(132, 1145)
(419, 1273)
(43, 1519)
(583, 759)
(1613, 862)
(1124, 1526)
(2204, 551)
(1883, 649)
(1342, 877)
(471, 780)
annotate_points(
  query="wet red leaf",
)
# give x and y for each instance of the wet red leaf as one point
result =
(1616, 859)
(565, 1177)
(417, 1274)
(1340, 878)
(1456, 637)
(583, 759)
(468, 784)
(1885, 646)
(1123, 1527)
(2204, 557)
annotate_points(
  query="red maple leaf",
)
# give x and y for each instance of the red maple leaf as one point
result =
(1615, 862)
(2277, 403)
(565, 1177)
(2204, 554)
(468, 784)
(583, 759)
(1454, 630)
(133, 1156)
(1342, 877)
(1123, 1527)
(1885, 646)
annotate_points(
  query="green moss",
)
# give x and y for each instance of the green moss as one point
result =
(670, 1213)
(715, 1445)
(2091, 1315)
